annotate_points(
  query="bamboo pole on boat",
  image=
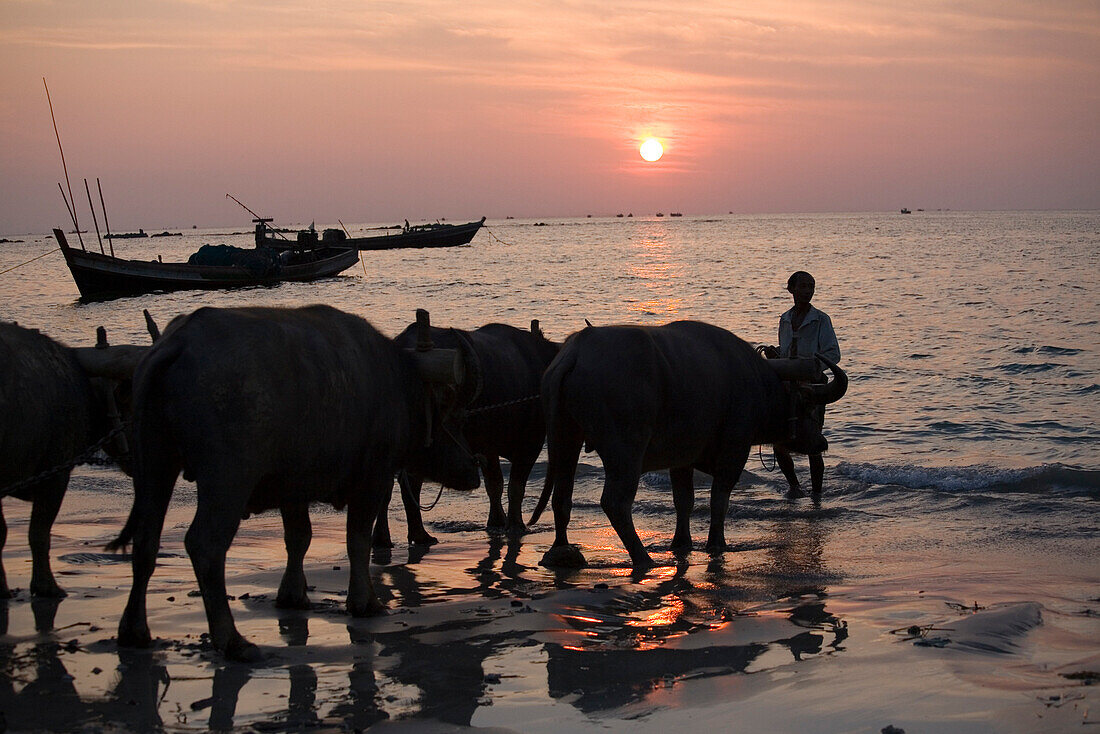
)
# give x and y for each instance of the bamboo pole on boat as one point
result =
(94, 220)
(361, 260)
(255, 215)
(110, 240)
(70, 210)
(64, 167)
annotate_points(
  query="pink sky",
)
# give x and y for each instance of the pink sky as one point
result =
(374, 112)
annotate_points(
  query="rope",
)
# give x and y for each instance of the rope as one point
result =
(760, 455)
(505, 404)
(431, 507)
(80, 459)
(490, 233)
(29, 261)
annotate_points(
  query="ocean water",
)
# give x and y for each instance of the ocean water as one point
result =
(964, 460)
(972, 339)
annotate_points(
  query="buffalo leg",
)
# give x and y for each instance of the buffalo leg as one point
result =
(494, 488)
(152, 493)
(217, 518)
(564, 449)
(362, 510)
(517, 485)
(381, 535)
(683, 497)
(619, 490)
(297, 534)
(47, 502)
(410, 497)
(5, 592)
(720, 489)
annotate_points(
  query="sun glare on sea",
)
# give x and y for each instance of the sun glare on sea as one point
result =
(652, 150)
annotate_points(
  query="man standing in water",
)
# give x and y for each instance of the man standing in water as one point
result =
(803, 332)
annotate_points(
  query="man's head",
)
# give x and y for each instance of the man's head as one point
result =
(801, 285)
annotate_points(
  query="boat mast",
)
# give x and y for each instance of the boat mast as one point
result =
(65, 168)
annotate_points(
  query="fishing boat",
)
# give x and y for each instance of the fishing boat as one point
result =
(420, 235)
(101, 277)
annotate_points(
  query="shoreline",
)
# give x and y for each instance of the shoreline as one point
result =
(786, 633)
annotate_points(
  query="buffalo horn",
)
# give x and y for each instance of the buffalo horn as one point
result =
(832, 391)
(154, 330)
(799, 370)
(116, 363)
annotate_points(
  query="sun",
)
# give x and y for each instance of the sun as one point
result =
(652, 150)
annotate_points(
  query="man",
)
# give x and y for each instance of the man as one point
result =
(803, 332)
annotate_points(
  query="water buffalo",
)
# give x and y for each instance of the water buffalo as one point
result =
(56, 403)
(682, 396)
(506, 420)
(276, 408)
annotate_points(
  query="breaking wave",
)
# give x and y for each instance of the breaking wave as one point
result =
(1052, 478)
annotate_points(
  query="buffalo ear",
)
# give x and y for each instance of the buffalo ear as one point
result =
(470, 388)
(440, 366)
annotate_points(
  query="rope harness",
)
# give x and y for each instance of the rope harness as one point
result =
(505, 404)
(475, 411)
(79, 459)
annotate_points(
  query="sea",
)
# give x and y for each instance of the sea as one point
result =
(970, 429)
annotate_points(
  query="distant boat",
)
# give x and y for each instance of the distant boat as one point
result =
(905, 211)
(102, 277)
(421, 235)
(659, 214)
(676, 214)
(126, 235)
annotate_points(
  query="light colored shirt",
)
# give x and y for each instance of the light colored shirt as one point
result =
(814, 336)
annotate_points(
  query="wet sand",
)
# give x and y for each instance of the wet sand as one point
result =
(802, 627)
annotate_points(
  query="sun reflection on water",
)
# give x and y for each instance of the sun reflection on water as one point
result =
(659, 269)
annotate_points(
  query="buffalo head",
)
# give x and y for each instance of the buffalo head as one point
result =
(452, 378)
(110, 370)
(807, 400)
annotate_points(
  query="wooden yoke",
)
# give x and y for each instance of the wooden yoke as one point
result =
(436, 365)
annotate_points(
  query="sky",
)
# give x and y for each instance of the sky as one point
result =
(380, 111)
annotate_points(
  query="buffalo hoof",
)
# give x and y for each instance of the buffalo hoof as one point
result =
(372, 608)
(382, 542)
(516, 529)
(292, 601)
(563, 556)
(716, 548)
(422, 538)
(240, 650)
(47, 590)
(128, 637)
(681, 546)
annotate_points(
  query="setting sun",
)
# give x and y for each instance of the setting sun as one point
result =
(652, 150)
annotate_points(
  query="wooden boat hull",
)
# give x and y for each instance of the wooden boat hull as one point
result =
(441, 235)
(102, 277)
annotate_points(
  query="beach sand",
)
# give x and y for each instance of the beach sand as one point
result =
(802, 627)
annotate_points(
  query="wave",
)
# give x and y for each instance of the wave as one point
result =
(1021, 368)
(1052, 478)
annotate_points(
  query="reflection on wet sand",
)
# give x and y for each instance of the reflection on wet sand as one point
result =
(627, 643)
(606, 644)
